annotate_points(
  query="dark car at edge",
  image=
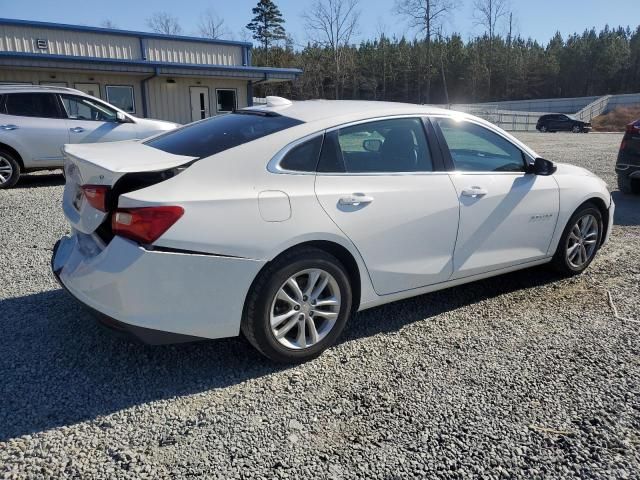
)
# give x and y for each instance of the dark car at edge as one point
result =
(560, 122)
(628, 164)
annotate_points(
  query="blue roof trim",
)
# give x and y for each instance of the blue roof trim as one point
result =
(111, 31)
(145, 63)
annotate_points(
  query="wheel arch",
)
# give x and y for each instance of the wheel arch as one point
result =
(343, 254)
(604, 211)
(14, 152)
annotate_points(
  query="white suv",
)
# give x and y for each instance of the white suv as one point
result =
(36, 121)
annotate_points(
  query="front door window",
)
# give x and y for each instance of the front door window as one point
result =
(476, 149)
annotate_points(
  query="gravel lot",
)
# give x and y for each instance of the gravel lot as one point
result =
(526, 375)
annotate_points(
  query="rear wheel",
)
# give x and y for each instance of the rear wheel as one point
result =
(580, 241)
(628, 185)
(9, 170)
(298, 306)
(543, 129)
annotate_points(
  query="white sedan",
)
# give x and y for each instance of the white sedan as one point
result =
(280, 221)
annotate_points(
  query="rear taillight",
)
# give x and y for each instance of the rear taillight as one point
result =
(96, 195)
(144, 225)
(633, 127)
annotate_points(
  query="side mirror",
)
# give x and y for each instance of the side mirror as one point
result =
(542, 167)
(121, 117)
(372, 145)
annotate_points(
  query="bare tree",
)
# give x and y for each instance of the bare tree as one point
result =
(332, 24)
(211, 25)
(108, 23)
(163, 22)
(426, 16)
(487, 14)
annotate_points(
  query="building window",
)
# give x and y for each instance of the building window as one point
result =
(122, 97)
(226, 100)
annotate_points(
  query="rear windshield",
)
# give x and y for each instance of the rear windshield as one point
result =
(220, 133)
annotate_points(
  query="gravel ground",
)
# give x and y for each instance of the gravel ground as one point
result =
(523, 376)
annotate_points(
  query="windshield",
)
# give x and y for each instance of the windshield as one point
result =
(217, 134)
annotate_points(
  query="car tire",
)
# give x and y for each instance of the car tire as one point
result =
(543, 129)
(280, 321)
(9, 170)
(576, 129)
(628, 186)
(580, 241)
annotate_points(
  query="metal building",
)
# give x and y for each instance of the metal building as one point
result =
(176, 78)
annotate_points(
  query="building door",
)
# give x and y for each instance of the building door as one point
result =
(92, 89)
(199, 103)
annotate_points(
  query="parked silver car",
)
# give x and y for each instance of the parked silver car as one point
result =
(36, 121)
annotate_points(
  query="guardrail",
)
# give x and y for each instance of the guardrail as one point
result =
(594, 109)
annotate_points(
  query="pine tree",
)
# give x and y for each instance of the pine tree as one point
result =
(266, 24)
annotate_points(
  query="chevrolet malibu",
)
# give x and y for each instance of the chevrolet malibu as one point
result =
(280, 221)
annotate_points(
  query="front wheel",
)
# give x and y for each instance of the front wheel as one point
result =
(576, 129)
(580, 241)
(298, 306)
(9, 170)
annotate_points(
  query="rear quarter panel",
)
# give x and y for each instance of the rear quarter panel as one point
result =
(222, 211)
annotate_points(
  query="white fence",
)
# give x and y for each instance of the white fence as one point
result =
(505, 119)
(553, 105)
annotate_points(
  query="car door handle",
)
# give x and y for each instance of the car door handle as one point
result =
(356, 199)
(77, 129)
(8, 127)
(474, 192)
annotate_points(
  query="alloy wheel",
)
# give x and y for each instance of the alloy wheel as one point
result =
(305, 308)
(6, 170)
(582, 241)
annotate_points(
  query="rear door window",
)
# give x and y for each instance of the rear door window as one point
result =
(217, 134)
(386, 146)
(42, 105)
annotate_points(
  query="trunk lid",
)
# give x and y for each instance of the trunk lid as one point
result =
(115, 165)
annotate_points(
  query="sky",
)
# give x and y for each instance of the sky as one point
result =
(538, 19)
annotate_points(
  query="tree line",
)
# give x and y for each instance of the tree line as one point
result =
(478, 70)
(432, 67)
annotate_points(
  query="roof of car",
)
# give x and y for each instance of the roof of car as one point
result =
(23, 88)
(317, 110)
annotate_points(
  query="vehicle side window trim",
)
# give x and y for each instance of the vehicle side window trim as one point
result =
(438, 154)
(448, 159)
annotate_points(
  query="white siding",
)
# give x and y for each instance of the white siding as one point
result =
(68, 42)
(172, 51)
(172, 101)
(22, 39)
